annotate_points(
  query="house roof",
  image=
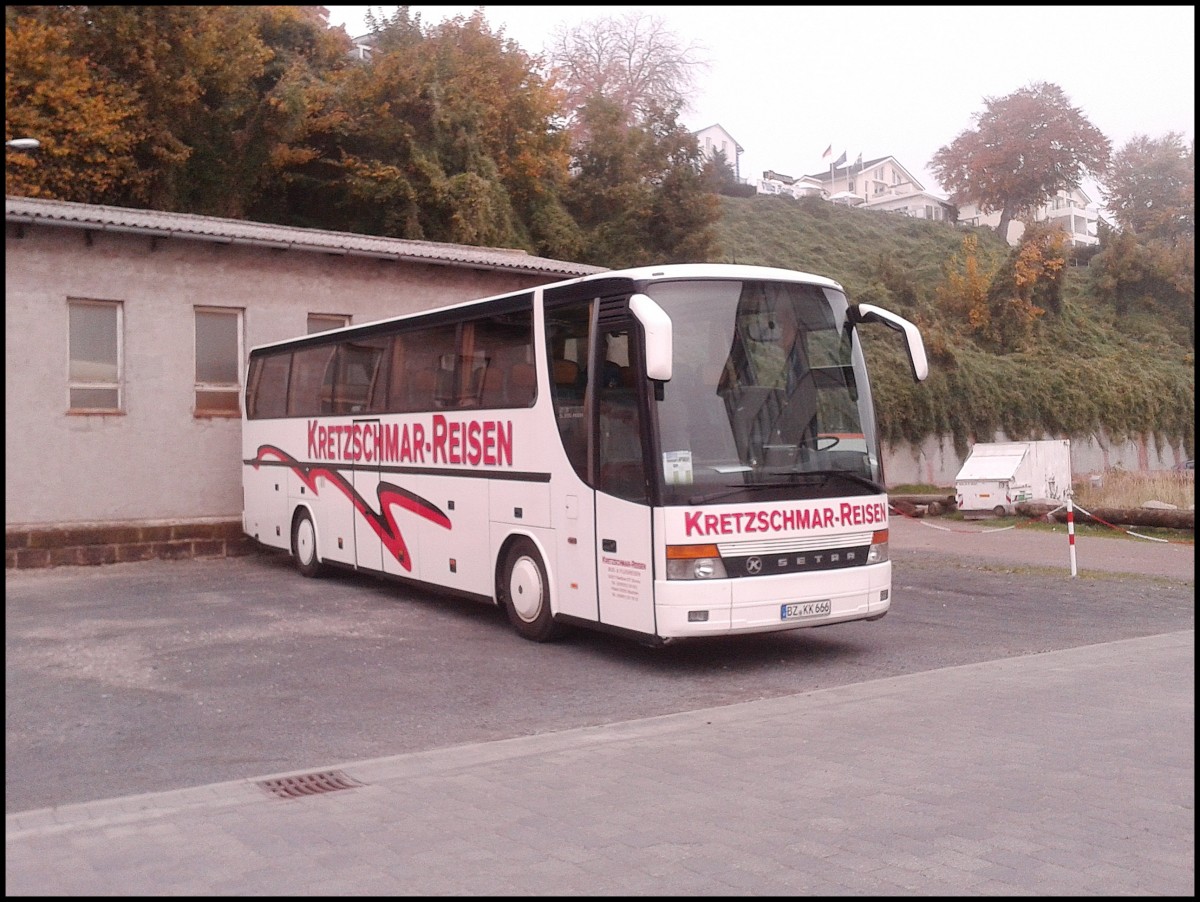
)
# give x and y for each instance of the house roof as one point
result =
(159, 224)
(739, 147)
(827, 176)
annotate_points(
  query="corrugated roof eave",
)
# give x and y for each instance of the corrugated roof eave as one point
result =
(156, 223)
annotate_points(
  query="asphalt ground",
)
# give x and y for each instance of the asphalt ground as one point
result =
(1069, 771)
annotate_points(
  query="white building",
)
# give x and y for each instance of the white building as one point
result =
(714, 138)
(1073, 211)
(777, 183)
(881, 184)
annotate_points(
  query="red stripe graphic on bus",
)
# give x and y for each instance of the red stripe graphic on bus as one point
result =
(390, 496)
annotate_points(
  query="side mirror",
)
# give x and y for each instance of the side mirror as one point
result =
(869, 313)
(656, 325)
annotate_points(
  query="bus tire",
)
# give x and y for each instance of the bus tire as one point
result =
(304, 546)
(524, 591)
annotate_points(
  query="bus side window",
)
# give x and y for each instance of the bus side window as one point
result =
(309, 366)
(395, 399)
(267, 397)
(568, 332)
(429, 368)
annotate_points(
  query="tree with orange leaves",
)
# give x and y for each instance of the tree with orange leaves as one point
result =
(1025, 148)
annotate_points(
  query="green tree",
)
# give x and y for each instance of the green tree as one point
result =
(721, 178)
(1027, 146)
(638, 192)
(639, 189)
(1151, 187)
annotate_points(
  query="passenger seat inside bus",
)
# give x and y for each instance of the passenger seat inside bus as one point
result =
(495, 386)
(566, 380)
(422, 388)
(522, 384)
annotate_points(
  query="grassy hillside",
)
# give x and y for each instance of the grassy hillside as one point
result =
(1083, 370)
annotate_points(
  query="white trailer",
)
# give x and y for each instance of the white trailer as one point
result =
(999, 475)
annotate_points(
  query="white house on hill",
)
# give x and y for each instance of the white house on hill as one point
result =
(714, 138)
(881, 184)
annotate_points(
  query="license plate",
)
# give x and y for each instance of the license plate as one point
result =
(800, 610)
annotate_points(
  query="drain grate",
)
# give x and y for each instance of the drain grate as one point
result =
(309, 784)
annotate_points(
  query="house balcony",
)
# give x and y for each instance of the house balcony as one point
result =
(1080, 223)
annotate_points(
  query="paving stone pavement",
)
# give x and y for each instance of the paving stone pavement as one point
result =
(1065, 773)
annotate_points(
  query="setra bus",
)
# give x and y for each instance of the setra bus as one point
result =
(664, 452)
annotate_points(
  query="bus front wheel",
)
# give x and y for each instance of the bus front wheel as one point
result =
(525, 593)
(304, 546)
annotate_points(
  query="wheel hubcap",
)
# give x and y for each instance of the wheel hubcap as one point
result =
(525, 589)
(305, 543)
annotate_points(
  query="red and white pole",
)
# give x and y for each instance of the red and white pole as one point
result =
(1071, 532)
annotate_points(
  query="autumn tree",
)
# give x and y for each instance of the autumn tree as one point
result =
(212, 98)
(88, 124)
(1026, 147)
(963, 291)
(1025, 286)
(1151, 187)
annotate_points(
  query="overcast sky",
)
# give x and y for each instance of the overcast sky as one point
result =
(788, 81)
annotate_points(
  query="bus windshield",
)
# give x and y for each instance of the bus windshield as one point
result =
(768, 389)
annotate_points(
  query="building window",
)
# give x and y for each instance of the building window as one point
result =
(94, 369)
(323, 322)
(218, 361)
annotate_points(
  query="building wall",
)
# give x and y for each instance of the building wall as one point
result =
(157, 461)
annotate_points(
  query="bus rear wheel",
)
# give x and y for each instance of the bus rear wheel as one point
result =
(525, 593)
(304, 546)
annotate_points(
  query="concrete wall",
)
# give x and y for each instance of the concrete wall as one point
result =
(935, 462)
(157, 461)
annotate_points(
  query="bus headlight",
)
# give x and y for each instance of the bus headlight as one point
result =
(878, 552)
(694, 562)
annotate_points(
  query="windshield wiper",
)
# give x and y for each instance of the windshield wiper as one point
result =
(846, 474)
(732, 490)
(792, 478)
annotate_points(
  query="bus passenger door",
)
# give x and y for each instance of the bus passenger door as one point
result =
(603, 556)
(624, 549)
(368, 547)
(568, 328)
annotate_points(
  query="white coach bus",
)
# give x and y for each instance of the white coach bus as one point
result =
(663, 452)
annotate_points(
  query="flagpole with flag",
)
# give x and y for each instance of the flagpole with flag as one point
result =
(836, 163)
(825, 156)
